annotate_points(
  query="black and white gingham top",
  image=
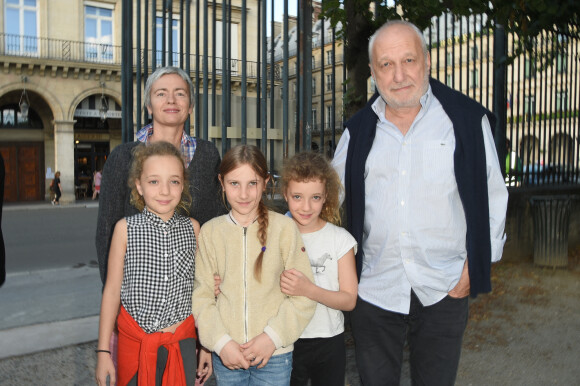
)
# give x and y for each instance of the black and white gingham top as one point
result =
(158, 271)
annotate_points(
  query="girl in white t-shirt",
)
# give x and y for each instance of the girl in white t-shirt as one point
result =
(312, 188)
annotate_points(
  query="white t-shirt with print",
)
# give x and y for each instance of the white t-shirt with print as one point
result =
(325, 247)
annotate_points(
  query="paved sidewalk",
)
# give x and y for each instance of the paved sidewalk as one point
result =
(49, 309)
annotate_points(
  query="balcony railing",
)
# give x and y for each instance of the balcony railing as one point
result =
(100, 53)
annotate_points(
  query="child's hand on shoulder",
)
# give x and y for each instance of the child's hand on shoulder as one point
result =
(259, 350)
(232, 357)
(294, 283)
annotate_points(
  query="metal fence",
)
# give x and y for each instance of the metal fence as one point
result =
(536, 104)
(291, 98)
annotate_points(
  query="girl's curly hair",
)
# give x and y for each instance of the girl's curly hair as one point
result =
(310, 166)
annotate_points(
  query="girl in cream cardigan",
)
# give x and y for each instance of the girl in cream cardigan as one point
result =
(251, 326)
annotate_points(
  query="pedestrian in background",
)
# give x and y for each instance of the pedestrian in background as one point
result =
(426, 202)
(55, 184)
(97, 182)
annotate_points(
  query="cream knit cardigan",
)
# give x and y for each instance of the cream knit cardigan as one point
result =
(245, 307)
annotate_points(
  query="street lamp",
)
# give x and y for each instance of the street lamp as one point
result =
(104, 105)
(24, 104)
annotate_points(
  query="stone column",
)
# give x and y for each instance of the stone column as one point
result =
(64, 158)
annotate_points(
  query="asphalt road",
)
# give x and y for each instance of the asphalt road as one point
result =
(44, 237)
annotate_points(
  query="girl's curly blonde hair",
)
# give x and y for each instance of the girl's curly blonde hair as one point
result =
(141, 153)
(310, 166)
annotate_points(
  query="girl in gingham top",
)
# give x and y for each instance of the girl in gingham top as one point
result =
(150, 279)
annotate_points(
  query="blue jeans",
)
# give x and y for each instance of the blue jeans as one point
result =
(275, 373)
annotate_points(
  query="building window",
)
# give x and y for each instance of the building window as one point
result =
(449, 79)
(174, 60)
(313, 62)
(98, 34)
(529, 69)
(329, 82)
(10, 118)
(314, 119)
(561, 100)
(313, 85)
(529, 105)
(474, 78)
(474, 52)
(449, 58)
(329, 57)
(233, 65)
(328, 117)
(561, 63)
(294, 90)
(21, 26)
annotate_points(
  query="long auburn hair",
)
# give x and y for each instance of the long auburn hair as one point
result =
(250, 155)
(310, 166)
(141, 153)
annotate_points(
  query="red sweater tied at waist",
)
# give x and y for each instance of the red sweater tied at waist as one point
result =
(138, 351)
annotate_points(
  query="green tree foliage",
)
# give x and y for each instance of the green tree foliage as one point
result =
(527, 19)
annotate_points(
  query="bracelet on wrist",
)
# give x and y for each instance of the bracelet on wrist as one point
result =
(107, 351)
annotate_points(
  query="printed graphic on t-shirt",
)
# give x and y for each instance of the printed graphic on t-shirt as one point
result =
(319, 263)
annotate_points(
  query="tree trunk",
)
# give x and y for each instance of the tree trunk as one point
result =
(358, 29)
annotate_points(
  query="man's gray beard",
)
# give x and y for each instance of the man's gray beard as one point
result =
(412, 103)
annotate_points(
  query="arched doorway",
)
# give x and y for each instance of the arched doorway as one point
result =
(92, 139)
(23, 152)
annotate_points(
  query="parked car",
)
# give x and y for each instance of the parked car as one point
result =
(537, 174)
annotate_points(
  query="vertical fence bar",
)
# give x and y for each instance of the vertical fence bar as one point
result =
(244, 121)
(333, 90)
(272, 70)
(197, 112)
(305, 36)
(142, 23)
(138, 70)
(575, 107)
(499, 42)
(205, 106)
(127, 74)
(223, 70)
(264, 80)
(286, 86)
(153, 35)
(168, 25)
(228, 69)
(214, 54)
(322, 90)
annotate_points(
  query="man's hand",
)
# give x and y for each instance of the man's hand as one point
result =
(461, 289)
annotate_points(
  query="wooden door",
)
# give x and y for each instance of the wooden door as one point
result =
(10, 164)
(23, 172)
(29, 173)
